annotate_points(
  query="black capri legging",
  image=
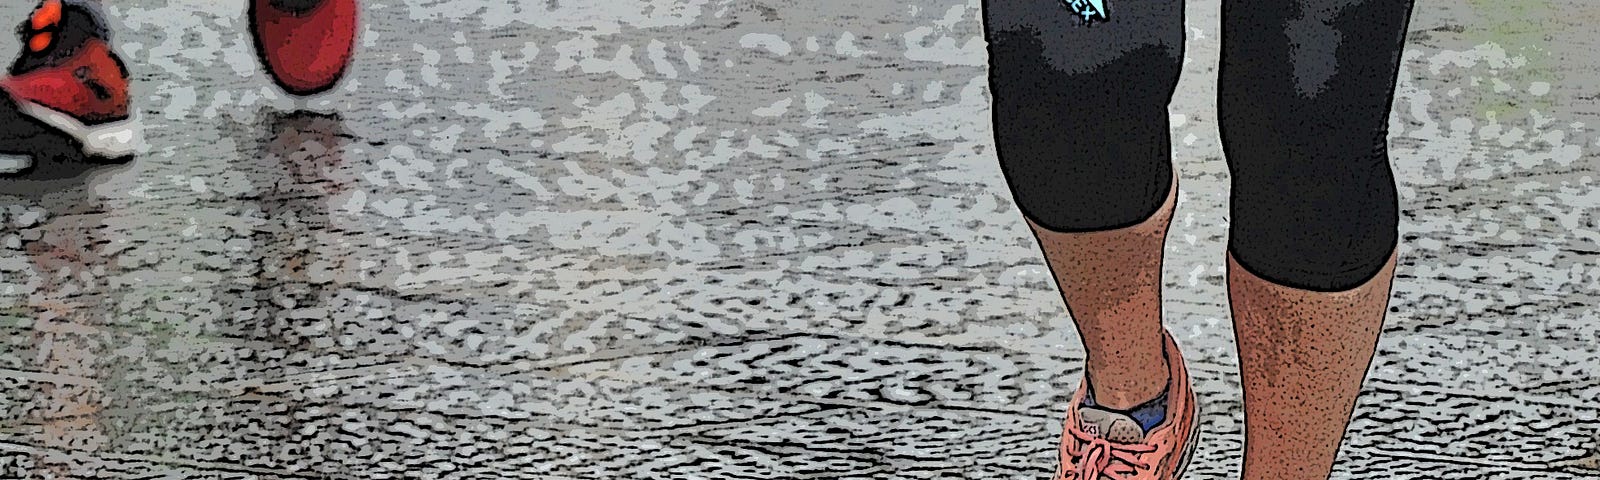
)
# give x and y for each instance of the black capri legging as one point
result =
(1081, 124)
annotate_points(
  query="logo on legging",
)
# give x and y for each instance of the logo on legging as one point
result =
(1088, 8)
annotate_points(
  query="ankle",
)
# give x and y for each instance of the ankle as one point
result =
(1126, 385)
(1126, 395)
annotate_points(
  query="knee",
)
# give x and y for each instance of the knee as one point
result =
(1315, 229)
(1093, 163)
(1080, 112)
(1084, 149)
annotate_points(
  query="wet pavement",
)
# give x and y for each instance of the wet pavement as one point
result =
(728, 239)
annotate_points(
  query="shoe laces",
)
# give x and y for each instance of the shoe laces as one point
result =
(1092, 457)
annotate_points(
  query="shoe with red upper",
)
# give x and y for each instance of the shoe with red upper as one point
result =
(1100, 444)
(69, 80)
(305, 44)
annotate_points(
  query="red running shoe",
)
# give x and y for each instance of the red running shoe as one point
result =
(305, 44)
(69, 79)
(1098, 444)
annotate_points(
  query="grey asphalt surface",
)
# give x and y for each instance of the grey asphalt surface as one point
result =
(729, 239)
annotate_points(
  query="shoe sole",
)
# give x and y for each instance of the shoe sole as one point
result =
(13, 164)
(322, 103)
(111, 141)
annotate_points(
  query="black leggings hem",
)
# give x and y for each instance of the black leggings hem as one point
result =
(1335, 281)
